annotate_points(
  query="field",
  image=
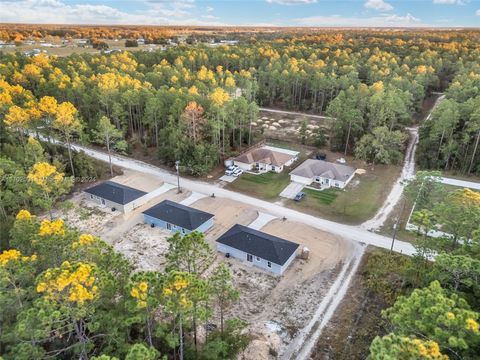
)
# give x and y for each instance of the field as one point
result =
(265, 186)
(275, 307)
(358, 202)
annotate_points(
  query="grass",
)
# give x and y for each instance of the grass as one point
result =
(326, 197)
(266, 186)
(357, 203)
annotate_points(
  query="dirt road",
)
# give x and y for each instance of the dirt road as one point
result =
(294, 113)
(408, 172)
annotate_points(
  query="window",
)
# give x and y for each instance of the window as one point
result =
(249, 258)
(169, 226)
(258, 258)
(269, 264)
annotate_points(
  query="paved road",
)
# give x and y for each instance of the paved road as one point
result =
(460, 183)
(296, 113)
(354, 233)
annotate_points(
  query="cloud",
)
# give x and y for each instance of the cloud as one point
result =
(478, 12)
(449, 2)
(157, 12)
(376, 21)
(209, 9)
(378, 5)
(292, 2)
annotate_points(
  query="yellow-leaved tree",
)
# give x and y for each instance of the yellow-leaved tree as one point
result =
(67, 123)
(47, 185)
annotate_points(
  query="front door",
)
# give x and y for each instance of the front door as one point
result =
(249, 258)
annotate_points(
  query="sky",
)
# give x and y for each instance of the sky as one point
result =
(316, 13)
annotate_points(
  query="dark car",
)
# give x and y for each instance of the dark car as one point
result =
(299, 196)
(321, 156)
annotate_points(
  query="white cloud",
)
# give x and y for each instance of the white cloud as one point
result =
(292, 2)
(376, 21)
(449, 2)
(378, 5)
(478, 12)
(209, 9)
(157, 12)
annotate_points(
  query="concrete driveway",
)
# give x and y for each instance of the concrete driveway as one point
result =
(228, 178)
(292, 190)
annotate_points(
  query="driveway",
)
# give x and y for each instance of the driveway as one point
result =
(292, 190)
(262, 220)
(228, 178)
(461, 183)
(349, 232)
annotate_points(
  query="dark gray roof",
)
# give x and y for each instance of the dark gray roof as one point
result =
(118, 193)
(259, 244)
(178, 214)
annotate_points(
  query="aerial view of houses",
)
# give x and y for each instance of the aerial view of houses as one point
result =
(177, 217)
(240, 180)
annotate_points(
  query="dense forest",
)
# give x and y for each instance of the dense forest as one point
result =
(196, 104)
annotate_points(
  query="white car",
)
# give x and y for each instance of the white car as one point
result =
(231, 169)
(237, 172)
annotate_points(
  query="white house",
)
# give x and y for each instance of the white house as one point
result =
(266, 158)
(325, 174)
(116, 196)
(266, 251)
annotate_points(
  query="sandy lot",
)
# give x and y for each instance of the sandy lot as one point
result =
(275, 307)
(227, 213)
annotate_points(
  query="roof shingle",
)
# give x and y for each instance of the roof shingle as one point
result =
(178, 214)
(257, 243)
(117, 193)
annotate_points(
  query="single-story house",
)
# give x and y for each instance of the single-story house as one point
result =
(116, 196)
(258, 248)
(177, 217)
(266, 158)
(324, 173)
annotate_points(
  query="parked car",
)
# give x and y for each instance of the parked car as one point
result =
(321, 156)
(299, 196)
(231, 169)
(237, 172)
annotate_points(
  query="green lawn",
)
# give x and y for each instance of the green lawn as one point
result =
(326, 197)
(266, 186)
(357, 203)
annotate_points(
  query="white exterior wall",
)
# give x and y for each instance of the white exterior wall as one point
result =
(291, 161)
(243, 166)
(277, 169)
(300, 179)
(261, 263)
(108, 203)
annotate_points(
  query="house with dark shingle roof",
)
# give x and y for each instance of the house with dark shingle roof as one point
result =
(266, 158)
(177, 217)
(115, 196)
(258, 248)
(324, 173)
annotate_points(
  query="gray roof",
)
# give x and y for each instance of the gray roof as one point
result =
(259, 244)
(178, 214)
(117, 193)
(311, 168)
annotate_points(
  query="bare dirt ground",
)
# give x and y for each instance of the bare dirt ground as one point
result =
(227, 213)
(277, 307)
(283, 126)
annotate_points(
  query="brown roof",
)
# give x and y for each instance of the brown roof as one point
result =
(264, 156)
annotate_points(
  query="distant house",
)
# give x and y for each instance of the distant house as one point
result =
(325, 174)
(265, 159)
(116, 196)
(258, 248)
(177, 217)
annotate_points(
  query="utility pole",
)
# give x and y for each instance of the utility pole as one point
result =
(177, 166)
